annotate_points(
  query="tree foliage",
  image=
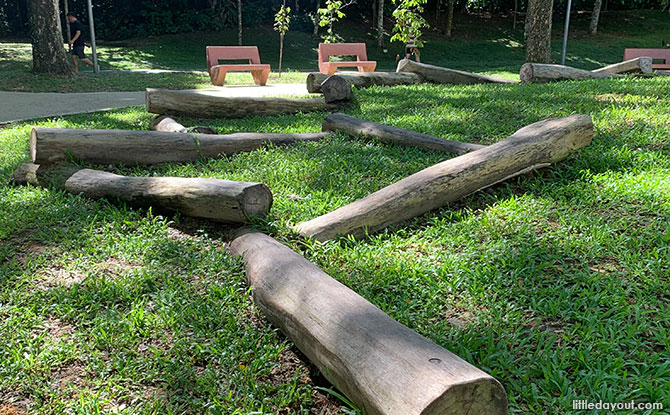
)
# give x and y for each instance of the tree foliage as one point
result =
(282, 22)
(409, 21)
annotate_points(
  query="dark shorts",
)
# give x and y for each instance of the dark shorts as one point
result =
(78, 51)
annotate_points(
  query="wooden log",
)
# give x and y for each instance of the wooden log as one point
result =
(167, 124)
(542, 72)
(543, 142)
(364, 79)
(130, 147)
(206, 104)
(387, 134)
(636, 65)
(440, 75)
(336, 89)
(214, 199)
(384, 367)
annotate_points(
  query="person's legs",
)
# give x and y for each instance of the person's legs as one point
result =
(76, 63)
(87, 61)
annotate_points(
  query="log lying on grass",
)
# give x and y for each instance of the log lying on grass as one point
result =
(387, 134)
(167, 124)
(207, 104)
(543, 142)
(542, 72)
(364, 79)
(636, 65)
(130, 147)
(440, 75)
(336, 89)
(381, 365)
(218, 200)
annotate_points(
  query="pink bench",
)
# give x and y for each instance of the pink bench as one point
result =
(326, 50)
(217, 72)
(661, 54)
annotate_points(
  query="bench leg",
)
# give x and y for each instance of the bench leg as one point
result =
(261, 76)
(218, 77)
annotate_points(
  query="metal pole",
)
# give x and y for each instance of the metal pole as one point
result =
(91, 28)
(565, 34)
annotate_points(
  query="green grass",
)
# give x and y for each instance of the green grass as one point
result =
(556, 284)
(486, 44)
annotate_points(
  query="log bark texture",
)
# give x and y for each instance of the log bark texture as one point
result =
(539, 72)
(543, 142)
(214, 199)
(381, 365)
(440, 75)
(387, 134)
(364, 79)
(167, 124)
(636, 65)
(206, 104)
(130, 147)
(336, 89)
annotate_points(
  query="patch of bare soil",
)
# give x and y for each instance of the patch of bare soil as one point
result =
(12, 403)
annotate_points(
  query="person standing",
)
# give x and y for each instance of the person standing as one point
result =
(77, 41)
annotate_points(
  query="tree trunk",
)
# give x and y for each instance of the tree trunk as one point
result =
(281, 51)
(437, 9)
(239, 22)
(538, 31)
(214, 199)
(450, 20)
(198, 104)
(516, 13)
(364, 79)
(67, 26)
(380, 23)
(131, 147)
(167, 124)
(440, 75)
(635, 65)
(316, 18)
(547, 141)
(593, 26)
(387, 134)
(540, 72)
(381, 365)
(374, 13)
(47, 38)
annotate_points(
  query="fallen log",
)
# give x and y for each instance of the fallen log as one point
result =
(542, 72)
(364, 79)
(535, 145)
(167, 124)
(336, 89)
(381, 365)
(214, 199)
(440, 75)
(636, 65)
(130, 147)
(207, 104)
(387, 134)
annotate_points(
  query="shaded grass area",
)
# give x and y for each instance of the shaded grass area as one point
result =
(556, 284)
(483, 43)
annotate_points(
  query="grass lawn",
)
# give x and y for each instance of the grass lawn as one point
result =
(556, 284)
(485, 44)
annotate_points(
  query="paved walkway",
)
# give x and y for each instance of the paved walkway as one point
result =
(21, 106)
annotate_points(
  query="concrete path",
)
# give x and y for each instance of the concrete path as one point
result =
(21, 106)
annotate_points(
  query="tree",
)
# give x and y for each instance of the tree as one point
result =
(282, 21)
(593, 27)
(408, 21)
(380, 23)
(47, 38)
(239, 22)
(538, 31)
(449, 25)
(329, 15)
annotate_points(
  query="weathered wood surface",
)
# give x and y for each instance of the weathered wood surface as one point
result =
(364, 79)
(440, 75)
(381, 365)
(130, 147)
(544, 72)
(336, 89)
(214, 199)
(207, 104)
(388, 134)
(636, 65)
(167, 124)
(543, 142)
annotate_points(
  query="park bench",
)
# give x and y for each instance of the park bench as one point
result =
(326, 50)
(217, 72)
(655, 54)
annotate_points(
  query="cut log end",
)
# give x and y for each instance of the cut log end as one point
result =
(336, 89)
(485, 396)
(257, 201)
